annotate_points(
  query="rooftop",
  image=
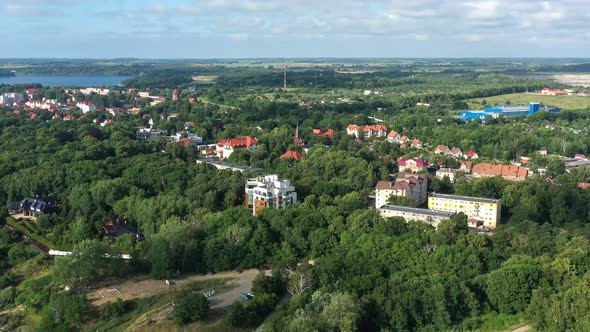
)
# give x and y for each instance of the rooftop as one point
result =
(466, 198)
(231, 165)
(432, 213)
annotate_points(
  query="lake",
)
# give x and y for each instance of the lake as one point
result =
(82, 81)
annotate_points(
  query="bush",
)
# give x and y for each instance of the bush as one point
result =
(20, 253)
(8, 279)
(190, 307)
(7, 297)
(34, 293)
(236, 315)
(115, 309)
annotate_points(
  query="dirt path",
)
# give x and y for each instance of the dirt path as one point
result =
(523, 328)
(16, 310)
(126, 290)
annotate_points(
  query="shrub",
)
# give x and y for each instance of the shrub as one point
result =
(190, 307)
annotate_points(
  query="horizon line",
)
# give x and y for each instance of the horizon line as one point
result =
(296, 58)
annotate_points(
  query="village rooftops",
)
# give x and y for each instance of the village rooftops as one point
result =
(465, 198)
(432, 213)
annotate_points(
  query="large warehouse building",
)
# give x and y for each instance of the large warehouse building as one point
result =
(506, 111)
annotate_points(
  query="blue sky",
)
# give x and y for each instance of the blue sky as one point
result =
(294, 28)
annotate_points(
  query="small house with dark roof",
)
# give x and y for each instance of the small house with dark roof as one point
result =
(119, 227)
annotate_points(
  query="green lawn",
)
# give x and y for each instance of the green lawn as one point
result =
(564, 102)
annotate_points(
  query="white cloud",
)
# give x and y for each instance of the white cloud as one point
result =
(482, 9)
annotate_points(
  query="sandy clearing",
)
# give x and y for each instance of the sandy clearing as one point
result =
(240, 283)
(522, 328)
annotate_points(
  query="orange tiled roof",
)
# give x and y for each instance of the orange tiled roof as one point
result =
(501, 170)
(291, 154)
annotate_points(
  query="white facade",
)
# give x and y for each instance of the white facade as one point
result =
(99, 91)
(86, 106)
(448, 172)
(269, 192)
(10, 98)
(195, 139)
(427, 216)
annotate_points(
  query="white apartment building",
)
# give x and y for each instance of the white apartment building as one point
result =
(408, 213)
(269, 192)
(10, 98)
(89, 91)
(86, 106)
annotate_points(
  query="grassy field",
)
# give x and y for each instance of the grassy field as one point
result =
(564, 102)
(204, 79)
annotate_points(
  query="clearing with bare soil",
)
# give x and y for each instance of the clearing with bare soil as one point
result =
(126, 290)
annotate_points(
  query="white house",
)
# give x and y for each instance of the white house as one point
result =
(86, 106)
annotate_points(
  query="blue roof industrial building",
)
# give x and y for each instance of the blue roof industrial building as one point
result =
(505, 111)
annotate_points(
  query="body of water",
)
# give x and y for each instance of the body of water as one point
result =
(82, 81)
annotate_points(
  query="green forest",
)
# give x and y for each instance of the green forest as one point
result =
(336, 264)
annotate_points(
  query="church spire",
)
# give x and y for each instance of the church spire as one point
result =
(297, 138)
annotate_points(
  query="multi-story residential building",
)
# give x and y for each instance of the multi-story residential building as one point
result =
(408, 213)
(448, 172)
(10, 98)
(393, 137)
(406, 185)
(269, 192)
(89, 91)
(483, 210)
(86, 106)
(193, 138)
(227, 146)
(412, 164)
(150, 134)
(354, 130)
(508, 172)
(45, 104)
(375, 131)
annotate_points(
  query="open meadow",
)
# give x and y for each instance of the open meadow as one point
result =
(564, 102)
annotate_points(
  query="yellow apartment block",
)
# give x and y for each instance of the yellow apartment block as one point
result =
(483, 210)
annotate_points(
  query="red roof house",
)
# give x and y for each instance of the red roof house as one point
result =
(227, 146)
(291, 155)
(412, 164)
(508, 172)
